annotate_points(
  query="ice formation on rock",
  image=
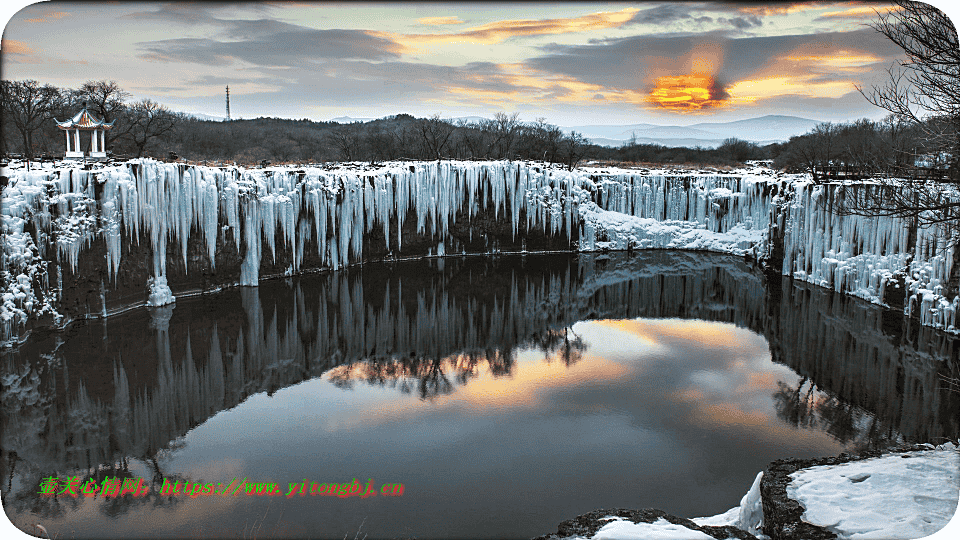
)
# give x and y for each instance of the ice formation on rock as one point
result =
(52, 215)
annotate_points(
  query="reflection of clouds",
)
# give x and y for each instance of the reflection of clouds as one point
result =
(527, 387)
(694, 332)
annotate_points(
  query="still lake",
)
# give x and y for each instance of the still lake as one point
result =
(505, 394)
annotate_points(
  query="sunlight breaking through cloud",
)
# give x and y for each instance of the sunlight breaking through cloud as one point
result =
(688, 93)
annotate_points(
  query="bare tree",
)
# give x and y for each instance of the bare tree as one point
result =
(106, 98)
(380, 143)
(148, 120)
(926, 85)
(435, 134)
(27, 105)
(501, 132)
(573, 148)
(347, 141)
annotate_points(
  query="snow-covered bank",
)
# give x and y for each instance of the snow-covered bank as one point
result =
(80, 243)
(897, 496)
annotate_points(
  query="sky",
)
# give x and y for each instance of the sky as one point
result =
(570, 63)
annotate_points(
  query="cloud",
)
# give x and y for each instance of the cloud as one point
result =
(291, 48)
(436, 21)
(693, 73)
(662, 14)
(695, 92)
(48, 17)
(743, 23)
(11, 46)
(500, 31)
(18, 52)
(858, 12)
(763, 9)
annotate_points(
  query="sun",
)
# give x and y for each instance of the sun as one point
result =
(689, 93)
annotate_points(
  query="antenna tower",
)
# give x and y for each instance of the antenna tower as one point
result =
(228, 103)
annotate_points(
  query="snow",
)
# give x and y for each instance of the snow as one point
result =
(620, 529)
(898, 496)
(53, 213)
(160, 293)
(748, 516)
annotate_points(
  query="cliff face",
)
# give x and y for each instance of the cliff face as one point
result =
(87, 243)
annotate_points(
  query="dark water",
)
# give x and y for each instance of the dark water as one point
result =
(505, 395)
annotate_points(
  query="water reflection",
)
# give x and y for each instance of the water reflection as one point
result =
(384, 350)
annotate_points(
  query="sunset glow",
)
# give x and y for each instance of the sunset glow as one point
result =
(687, 93)
(570, 63)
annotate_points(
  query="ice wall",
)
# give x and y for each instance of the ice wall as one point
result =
(173, 215)
(868, 257)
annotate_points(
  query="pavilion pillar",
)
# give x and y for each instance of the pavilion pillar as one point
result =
(93, 141)
(67, 133)
(76, 140)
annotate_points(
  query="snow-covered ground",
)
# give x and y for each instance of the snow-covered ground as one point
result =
(898, 496)
(894, 497)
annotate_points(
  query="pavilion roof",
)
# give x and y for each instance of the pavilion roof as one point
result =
(84, 120)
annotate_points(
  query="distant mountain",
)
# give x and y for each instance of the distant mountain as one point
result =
(468, 119)
(669, 142)
(762, 130)
(201, 116)
(613, 132)
(349, 120)
(771, 126)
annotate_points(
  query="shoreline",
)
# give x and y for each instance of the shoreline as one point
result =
(789, 512)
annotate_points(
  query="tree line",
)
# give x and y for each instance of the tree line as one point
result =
(30, 108)
(147, 128)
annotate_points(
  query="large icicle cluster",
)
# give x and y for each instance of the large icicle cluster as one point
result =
(725, 213)
(51, 216)
(864, 256)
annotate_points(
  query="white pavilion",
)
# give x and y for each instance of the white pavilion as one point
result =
(84, 121)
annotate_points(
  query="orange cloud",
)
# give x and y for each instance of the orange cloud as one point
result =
(529, 86)
(52, 16)
(10, 46)
(19, 52)
(499, 31)
(781, 9)
(801, 85)
(689, 93)
(841, 60)
(436, 21)
(860, 11)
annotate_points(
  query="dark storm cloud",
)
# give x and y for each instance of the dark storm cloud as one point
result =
(669, 13)
(200, 15)
(633, 62)
(286, 48)
(663, 14)
(743, 23)
(262, 42)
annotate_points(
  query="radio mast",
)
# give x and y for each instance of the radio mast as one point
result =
(228, 103)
